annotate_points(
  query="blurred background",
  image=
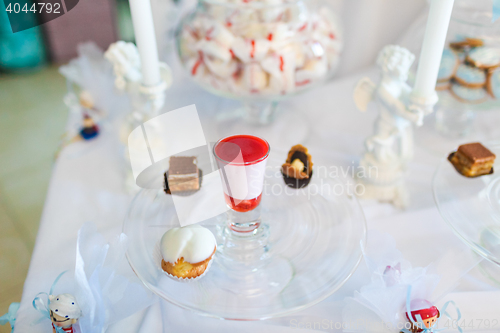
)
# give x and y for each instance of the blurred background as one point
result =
(33, 115)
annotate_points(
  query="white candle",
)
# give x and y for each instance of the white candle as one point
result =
(432, 49)
(142, 18)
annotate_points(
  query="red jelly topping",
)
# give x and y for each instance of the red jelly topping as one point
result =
(252, 148)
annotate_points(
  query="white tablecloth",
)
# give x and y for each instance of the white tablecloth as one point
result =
(87, 185)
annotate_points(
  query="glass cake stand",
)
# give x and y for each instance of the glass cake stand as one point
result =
(471, 207)
(315, 240)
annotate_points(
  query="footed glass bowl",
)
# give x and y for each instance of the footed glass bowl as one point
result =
(313, 239)
(259, 51)
(458, 102)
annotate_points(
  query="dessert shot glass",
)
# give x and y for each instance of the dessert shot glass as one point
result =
(242, 163)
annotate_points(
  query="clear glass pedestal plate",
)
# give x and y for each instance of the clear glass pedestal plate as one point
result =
(313, 245)
(471, 207)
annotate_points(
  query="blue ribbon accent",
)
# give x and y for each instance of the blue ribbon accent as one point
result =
(43, 306)
(496, 10)
(420, 323)
(10, 316)
(459, 314)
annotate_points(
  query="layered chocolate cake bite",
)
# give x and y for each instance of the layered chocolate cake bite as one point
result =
(183, 176)
(473, 160)
(297, 170)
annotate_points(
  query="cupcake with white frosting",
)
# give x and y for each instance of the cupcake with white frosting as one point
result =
(187, 252)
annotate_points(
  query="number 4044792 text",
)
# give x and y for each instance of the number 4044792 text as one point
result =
(40, 7)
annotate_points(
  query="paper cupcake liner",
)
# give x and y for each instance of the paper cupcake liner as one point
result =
(157, 257)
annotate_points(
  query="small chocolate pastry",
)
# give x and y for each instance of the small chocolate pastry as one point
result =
(473, 160)
(183, 177)
(297, 171)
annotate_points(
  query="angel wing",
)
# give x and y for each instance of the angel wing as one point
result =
(364, 93)
(126, 63)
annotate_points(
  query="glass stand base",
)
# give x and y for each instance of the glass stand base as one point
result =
(269, 280)
(471, 206)
(247, 267)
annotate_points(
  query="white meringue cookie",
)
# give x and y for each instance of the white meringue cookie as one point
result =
(221, 68)
(273, 14)
(248, 50)
(281, 68)
(296, 50)
(214, 49)
(221, 34)
(196, 66)
(279, 35)
(312, 70)
(188, 43)
(254, 77)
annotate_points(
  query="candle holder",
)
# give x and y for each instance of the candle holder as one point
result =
(391, 147)
(146, 101)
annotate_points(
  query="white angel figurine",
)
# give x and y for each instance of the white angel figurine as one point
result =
(391, 146)
(393, 138)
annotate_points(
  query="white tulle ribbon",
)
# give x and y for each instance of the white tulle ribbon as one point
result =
(104, 295)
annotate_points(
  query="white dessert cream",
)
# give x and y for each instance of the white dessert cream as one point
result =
(193, 243)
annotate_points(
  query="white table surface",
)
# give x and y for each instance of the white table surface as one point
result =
(87, 185)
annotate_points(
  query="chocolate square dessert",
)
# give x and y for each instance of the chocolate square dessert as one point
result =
(473, 160)
(183, 174)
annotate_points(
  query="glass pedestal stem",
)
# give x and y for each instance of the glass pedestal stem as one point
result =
(245, 241)
(260, 112)
(454, 122)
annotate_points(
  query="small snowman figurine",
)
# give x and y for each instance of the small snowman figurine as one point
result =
(64, 312)
(423, 316)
